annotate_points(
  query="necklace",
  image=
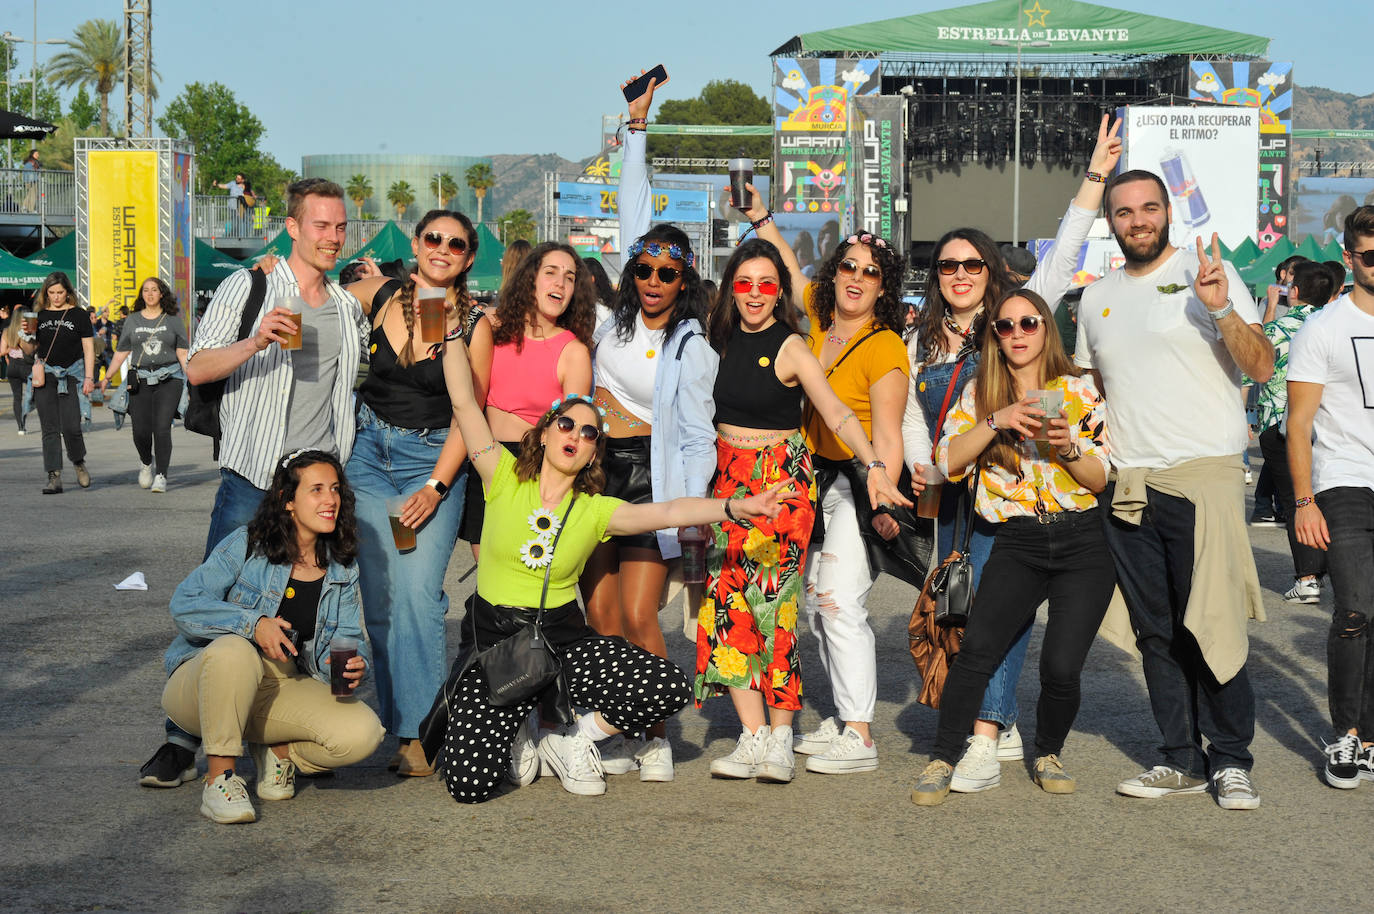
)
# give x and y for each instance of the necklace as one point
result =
(832, 338)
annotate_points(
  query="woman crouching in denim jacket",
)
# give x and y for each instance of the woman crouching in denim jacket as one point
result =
(255, 625)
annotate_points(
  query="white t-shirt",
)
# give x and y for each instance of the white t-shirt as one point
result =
(628, 369)
(1335, 348)
(1172, 388)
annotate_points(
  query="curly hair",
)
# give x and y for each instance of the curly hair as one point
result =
(168, 301)
(691, 301)
(888, 310)
(516, 308)
(405, 296)
(725, 316)
(591, 479)
(930, 326)
(272, 531)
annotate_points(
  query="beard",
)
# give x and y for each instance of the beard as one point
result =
(1137, 256)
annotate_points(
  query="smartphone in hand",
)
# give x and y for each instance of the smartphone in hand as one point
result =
(637, 88)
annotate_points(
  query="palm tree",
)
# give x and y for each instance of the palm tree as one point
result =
(400, 195)
(444, 189)
(359, 190)
(95, 58)
(480, 179)
(518, 223)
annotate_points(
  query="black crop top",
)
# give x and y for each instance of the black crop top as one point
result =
(414, 397)
(748, 392)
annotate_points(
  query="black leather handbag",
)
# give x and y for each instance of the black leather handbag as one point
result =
(952, 583)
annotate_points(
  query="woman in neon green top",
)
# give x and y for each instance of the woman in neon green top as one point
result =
(545, 511)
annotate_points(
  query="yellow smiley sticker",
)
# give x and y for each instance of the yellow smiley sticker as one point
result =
(764, 361)
(290, 592)
(1106, 311)
(923, 386)
(650, 354)
(372, 348)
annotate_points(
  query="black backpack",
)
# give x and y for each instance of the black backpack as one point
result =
(202, 401)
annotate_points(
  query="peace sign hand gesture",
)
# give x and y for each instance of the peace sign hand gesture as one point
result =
(1211, 284)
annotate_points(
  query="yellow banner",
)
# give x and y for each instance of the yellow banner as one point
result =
(123, 224)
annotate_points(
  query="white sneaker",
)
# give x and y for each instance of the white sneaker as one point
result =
(573, 757)
(1305, 592)
(225, 800)
(618, 754)
(979, 768)
(818, 740)
(743, 763)
(145, 475)
(276, 776)
(1009, 748)
(846, 755)
(655, 760)
(777, 765)
(524, 756)
(159, 483)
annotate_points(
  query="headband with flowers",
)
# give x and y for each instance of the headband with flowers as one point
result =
(653, 249)
(867, 238)
(579, 398)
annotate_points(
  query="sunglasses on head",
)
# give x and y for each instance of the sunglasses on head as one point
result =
(973, 266)
(745, 286)
(851, 268)
(589, 433)
(1005, 326)
(665, 274)
(456, 244)
(1364, 257)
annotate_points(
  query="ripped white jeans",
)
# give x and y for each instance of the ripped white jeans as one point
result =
(838, 580)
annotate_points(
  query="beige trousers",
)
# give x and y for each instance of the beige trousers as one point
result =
(229, 693)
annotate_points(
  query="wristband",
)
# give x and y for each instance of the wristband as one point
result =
(1218, 315)
(437, 486)
(876, 465)
(991, 424)
(1097, 177)
(728, 515)
(762, 222)
(1303, 502)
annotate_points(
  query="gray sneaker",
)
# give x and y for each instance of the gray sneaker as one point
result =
(1161, 781)
(1235, 790)
(933, 785)
(1051, 776)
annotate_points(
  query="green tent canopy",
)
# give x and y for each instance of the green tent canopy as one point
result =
(1068, 26)
(485, 275)
(1260, 271)
(213, 266)
(1334, 251)
(20, 274)
(390, 243)
(1245, 253)
(280, 246)
(60, 255)
(1310, 249)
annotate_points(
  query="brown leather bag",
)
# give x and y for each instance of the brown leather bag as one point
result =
(932, 645)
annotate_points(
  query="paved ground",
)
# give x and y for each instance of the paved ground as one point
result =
(82, 677)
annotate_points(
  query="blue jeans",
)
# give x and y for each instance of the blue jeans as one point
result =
(404, 603)
(236, 501)
(1349, 513)
(1154, 568)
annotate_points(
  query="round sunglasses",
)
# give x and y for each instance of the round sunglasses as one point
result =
(1005, 326)
(870, 272)
(745, 286)
(456, 243)
(589, 433)
(665, 274)
(973, 266)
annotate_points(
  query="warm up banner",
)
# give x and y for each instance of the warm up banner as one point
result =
(123, 224)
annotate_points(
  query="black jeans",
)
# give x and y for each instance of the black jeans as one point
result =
(59, 415)
(1349, 513)
(1306, 560)
(1067, 563)
(17, 380)
(1154, 566)
(151, 410)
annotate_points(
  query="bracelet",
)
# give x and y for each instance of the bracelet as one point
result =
(1097, 177)
(762, 222)
(1072, 456)
(991, 424)
(843, 419)
(1218, 315)
(728, 514)
(1303, 502)
(480, 451)
(637, 120)
(875, 465)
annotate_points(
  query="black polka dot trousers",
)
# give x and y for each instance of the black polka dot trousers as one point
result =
(631, 688)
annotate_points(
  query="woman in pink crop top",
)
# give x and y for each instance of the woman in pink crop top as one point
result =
(532, 351)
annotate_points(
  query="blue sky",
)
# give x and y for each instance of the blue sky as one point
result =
(476, 77)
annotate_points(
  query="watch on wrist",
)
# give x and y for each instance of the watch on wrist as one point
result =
(437, 486)
(876, 465)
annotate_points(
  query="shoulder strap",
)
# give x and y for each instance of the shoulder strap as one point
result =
(257, 294)
(384, 293)
(848, 352)
(548, 569)
(683, 344)
(944, 407)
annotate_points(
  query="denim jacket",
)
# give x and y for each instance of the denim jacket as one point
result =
(229, 593)
(75, 371)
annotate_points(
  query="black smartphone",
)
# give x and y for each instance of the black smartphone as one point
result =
(635, 89)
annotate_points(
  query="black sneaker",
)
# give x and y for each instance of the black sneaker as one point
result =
(170, 766)
(1343, 762)
(1263, 517)
(1366, 763)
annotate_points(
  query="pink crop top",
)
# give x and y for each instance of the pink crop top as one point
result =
(525, 383)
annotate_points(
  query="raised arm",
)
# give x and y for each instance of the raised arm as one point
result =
(1248, 345)
(425, 501)
(472, 423)
(764, 226)
(629, 519)
(632, 199)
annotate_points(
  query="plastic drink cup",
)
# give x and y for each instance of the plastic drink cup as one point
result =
(741, 173)
(403, 536)
(1051, 402)
(693, 545)
(30, 321)
(341, 650)
(296, 305)
(431, 302)
(928, 502)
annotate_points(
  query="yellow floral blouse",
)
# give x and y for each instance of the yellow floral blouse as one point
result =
(1044, 484)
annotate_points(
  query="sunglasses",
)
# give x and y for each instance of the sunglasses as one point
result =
(851, 268)
(1005, 326)
(589, 433)
(745, 286)
(456, 245)
(665, 274)
(1364, 257)
(973, 266)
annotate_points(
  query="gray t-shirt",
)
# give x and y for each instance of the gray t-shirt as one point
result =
(152, 344)
(308, 424)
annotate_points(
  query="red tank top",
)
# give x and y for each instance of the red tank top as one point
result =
(525, 383)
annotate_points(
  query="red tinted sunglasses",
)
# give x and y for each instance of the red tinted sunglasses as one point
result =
(767, 287)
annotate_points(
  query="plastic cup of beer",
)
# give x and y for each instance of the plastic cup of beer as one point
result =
(741, 173)
(341, 650)
(928, 502)
(431, 302)
(30, 321)
(296, 305)
(403, 536)
(1051, 403)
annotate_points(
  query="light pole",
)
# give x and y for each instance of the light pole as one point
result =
(1016, 170)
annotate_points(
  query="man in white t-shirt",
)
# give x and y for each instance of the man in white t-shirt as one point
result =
(1167, 338)
(1331, 393)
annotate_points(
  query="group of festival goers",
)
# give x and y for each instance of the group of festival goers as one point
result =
(576, 437)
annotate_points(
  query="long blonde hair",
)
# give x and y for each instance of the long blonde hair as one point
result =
(9, 337)
(996, 386)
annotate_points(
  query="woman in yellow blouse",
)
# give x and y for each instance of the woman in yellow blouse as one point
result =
(1042, 494)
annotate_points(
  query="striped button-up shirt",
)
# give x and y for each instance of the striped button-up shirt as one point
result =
(257, 394)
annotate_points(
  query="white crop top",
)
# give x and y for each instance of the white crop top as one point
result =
(628, 369)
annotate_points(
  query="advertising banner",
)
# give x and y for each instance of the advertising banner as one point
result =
(1268, 87)
(878, 165)
(598, 201)
(1208, 159)
(123, 224)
